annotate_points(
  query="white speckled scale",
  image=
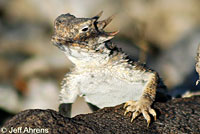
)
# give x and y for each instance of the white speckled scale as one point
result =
(104, 85)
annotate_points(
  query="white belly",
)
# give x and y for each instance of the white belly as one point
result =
(105, 90)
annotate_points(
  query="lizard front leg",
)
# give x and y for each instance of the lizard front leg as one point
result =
(144, 104)
(68, 96)
(65, 109)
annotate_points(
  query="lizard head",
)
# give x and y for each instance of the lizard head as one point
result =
(82, 33)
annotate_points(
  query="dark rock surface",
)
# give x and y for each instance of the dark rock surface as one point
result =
(176, 116)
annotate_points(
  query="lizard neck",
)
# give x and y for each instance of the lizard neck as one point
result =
(83, 57)
(103, 55)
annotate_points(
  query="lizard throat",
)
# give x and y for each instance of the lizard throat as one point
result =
(82, 55)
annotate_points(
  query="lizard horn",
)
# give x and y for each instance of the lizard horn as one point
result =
(98, 15)
(102, 24)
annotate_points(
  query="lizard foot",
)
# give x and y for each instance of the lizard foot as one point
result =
(138, 107)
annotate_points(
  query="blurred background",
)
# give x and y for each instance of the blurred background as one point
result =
(164, 34)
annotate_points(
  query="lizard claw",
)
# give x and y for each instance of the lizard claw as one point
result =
(139, 107)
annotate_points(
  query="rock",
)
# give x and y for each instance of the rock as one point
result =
(175, 116)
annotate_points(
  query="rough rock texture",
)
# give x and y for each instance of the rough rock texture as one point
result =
(175, 116)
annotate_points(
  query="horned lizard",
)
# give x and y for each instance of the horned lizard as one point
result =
(102, 73)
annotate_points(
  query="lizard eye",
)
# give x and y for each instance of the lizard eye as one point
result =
(85, 29)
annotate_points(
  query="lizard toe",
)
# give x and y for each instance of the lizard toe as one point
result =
(130, 107)
(129, 103)
(147, 117)
(134, 115)
(138, 107)
(152, 112)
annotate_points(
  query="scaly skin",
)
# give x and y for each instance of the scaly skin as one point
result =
(101, 69)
